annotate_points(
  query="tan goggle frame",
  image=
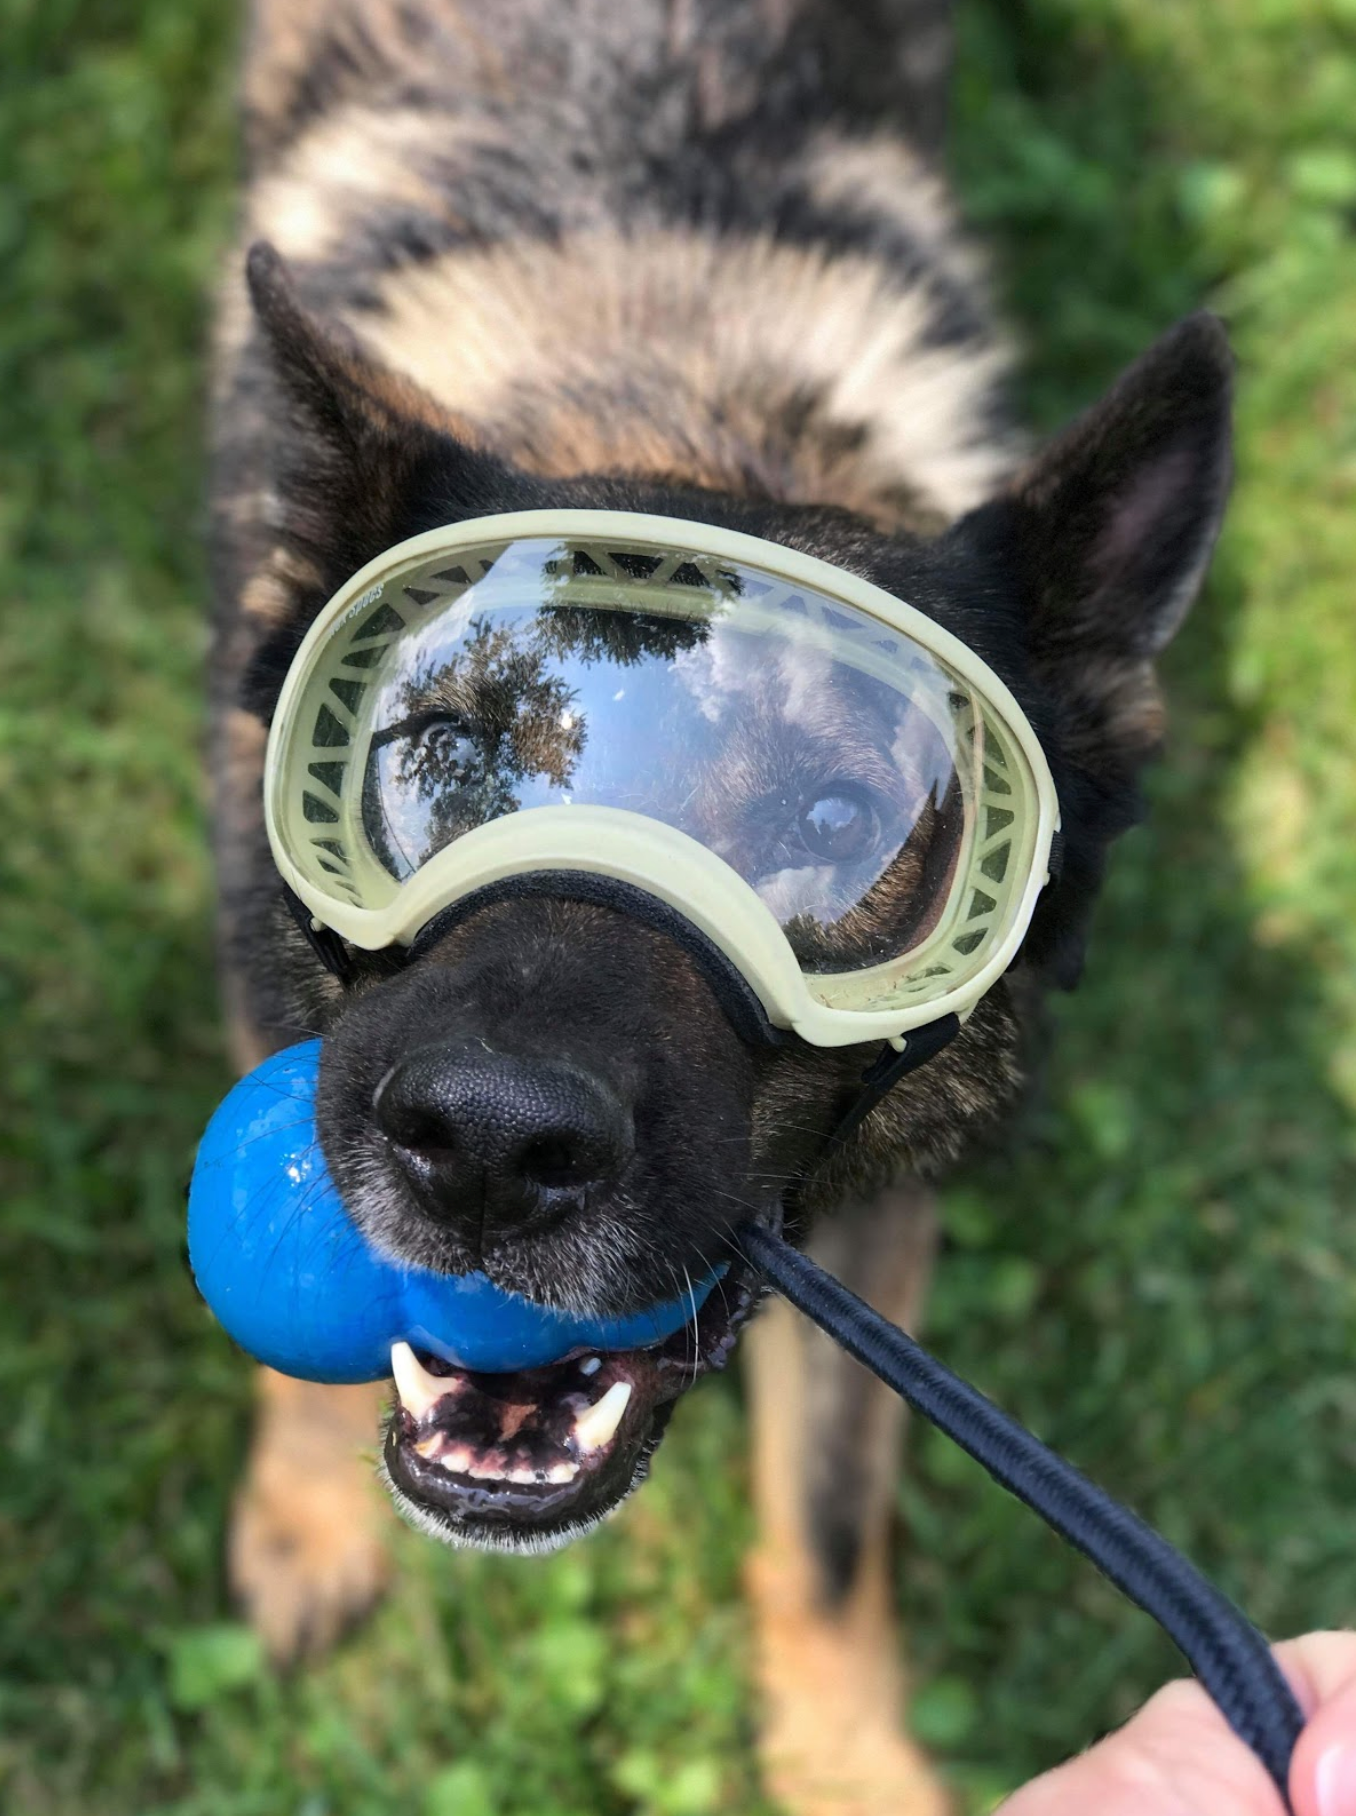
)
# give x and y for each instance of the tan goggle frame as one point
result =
(322, 854)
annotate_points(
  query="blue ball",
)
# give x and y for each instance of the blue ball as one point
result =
(293, 1280)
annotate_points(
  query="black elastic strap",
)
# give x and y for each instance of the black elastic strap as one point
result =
(736, 995)
(889, 1066)
(741, 1003)
(1223, 1648)
(333, 954)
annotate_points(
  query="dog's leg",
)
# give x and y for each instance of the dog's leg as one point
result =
(308, 1550)
(826, 1440)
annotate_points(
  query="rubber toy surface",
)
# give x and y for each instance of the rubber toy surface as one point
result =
(291, 1278)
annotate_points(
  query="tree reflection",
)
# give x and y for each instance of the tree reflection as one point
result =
(467, 729)
(624, 638)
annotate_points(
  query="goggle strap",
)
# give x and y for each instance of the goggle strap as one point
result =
(328, 947)
(889, 1066)
(739, 1001)
(1227, 1653)
(735, 994)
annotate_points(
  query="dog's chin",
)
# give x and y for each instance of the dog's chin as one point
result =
(529, 1461)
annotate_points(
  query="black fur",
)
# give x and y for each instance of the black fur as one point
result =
(1066, 584)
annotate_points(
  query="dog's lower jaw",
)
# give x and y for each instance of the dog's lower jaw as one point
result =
(530, 1461)
(437, 1523)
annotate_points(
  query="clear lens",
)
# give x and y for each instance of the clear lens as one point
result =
(844, 772)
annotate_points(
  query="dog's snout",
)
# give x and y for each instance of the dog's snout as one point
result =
(496, 1143)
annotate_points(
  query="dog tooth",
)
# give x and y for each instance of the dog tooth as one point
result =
(562, 1472)
(427, 1447)
(491, 1466)
(419, 1391)
(590, 1365)
(595, 1426)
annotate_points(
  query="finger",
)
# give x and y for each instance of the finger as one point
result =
(1178, 1757)
(1322, 1668)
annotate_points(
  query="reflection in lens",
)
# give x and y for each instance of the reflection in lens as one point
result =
(824, 762)
(464, 728)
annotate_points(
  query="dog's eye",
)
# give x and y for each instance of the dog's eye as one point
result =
(839, 825)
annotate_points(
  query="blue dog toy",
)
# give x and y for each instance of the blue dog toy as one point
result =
(292, 1279)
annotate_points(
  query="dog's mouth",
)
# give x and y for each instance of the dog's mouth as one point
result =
(528, 1461)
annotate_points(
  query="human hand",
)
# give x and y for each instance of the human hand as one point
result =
(1178, 1757)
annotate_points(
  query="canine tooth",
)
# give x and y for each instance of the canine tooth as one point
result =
(428, 1447)
(562, 1472)
(595, 1425)
(590, 1365)
(419, 1391)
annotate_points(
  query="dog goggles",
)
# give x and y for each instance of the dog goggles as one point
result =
(834, 791)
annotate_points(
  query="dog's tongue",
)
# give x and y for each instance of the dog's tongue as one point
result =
(538, 1426)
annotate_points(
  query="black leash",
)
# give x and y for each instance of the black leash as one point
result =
(1223, 1648)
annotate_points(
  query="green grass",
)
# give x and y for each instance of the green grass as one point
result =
(1162, 1283)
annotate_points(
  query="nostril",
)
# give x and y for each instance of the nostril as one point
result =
(557, 1160)
(415, 1126)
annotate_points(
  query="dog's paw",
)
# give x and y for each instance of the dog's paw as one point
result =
(831, 1741)
(308, 1546)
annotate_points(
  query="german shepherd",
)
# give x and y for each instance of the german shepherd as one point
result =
(695, 258)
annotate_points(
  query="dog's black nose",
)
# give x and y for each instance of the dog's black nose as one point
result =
(494, 1143)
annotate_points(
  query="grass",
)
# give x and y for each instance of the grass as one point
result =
(1161, 1282)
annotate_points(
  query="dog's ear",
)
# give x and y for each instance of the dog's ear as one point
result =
(1108, 534)
(1105, 539)
(362, 447)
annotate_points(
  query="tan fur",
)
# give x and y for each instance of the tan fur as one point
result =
(501, 335)
(268, 595)
(831, 1677)
(286, 36)
(887, 175)
(1129, 713)
(355, 161)
(241, 762)
(282, 44)
(308, 1548)
(356, 158)
(236, 769)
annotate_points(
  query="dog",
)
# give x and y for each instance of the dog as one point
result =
(693, 258)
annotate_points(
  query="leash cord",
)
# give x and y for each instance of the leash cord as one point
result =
(1223, 1648)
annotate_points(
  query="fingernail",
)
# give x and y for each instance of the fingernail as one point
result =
(1335, 1780)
